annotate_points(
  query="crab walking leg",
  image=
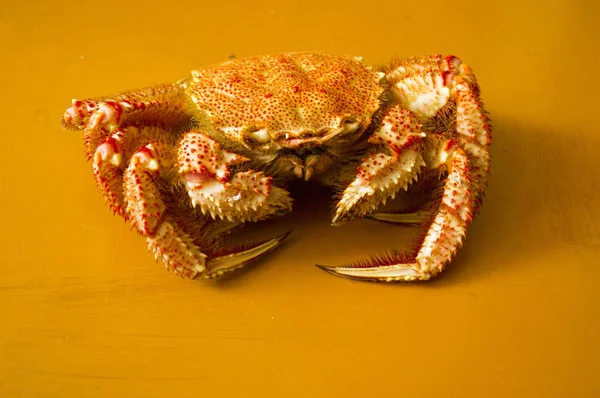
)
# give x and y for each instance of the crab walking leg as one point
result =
(148, 214)
(165, 238)
(109, 158)
(164, 106)
(447, 77)
(474, 132)
(381, 176)
(205, 168)
(448, 229)
(108, 171)
(443, 238)
(427, 93)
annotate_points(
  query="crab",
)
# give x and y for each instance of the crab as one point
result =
(185, 163)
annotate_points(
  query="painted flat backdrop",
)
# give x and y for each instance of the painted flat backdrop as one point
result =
(86, 312)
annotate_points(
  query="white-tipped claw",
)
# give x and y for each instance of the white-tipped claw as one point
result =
(219, 265)
(388, 273)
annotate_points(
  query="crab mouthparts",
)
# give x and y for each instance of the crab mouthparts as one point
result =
(310, 141)
(306, 164)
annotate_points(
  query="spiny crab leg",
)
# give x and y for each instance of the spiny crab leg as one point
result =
(165, 237)
(205, 168)
(148, 214)
(382, 175)
(162, 106)
(444, 236)
(113, 128)
(107, 165)
(424, 88)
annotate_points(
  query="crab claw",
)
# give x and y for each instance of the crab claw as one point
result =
(236, 259)
(389, 267)
(416, 218)
(389, 273)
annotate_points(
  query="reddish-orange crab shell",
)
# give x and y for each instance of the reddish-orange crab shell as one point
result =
(186, 162)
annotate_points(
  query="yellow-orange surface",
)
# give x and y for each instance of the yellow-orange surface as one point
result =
(85, 311)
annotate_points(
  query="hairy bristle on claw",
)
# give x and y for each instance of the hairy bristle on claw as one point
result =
(235, 246)
(382, 260)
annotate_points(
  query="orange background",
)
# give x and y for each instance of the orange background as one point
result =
(86, 312)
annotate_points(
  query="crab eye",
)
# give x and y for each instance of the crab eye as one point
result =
(349, 123)
(256, 136)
